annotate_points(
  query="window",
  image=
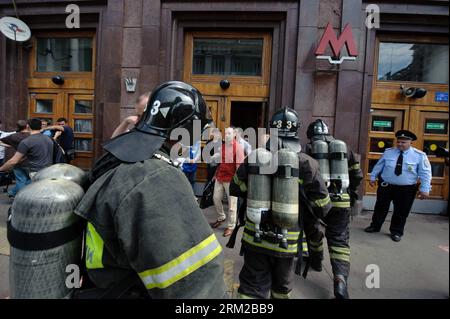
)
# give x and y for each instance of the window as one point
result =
(227, 56)
(83, 107)
(64, 55)
(44, 106)
(418, 62)
(83, 144)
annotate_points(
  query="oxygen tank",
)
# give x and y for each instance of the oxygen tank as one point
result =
(258, 189)
(285, 193)
(64, 171)
(45, 237)
(339, 165)
(319, 151)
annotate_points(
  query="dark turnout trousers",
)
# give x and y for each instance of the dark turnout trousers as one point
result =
(264, 275)
(402, 197)
(337, 234)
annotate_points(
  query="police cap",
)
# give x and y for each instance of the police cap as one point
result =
(407, 135)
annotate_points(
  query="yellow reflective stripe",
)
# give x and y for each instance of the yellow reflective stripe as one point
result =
(322, 202)
(300, 181)
(94, 248)
(341, 204)
(305, 247)
(316, 249)
(264, 244)
(242, 296)
(316, 243)
(241, 184)
(183, 265)
(276, 295)
(340, 257)
(340, 250)
(345, 196)
(291, 235)
(355, 166)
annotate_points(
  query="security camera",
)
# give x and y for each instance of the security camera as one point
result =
(59, 80)
(412, 92)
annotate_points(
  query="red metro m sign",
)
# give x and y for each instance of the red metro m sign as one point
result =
(329, 38)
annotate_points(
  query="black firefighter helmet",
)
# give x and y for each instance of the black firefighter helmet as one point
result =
(173, 104)
(318, 127)
(286, 122)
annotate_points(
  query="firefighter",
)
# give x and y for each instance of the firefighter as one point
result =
(145, 233)
(340, 168)
(268, 266)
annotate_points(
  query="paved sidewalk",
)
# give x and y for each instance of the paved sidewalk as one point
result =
(416, 267)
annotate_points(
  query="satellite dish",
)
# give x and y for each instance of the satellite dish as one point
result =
(15, 29)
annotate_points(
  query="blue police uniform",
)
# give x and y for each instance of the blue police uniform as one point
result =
(399, 186)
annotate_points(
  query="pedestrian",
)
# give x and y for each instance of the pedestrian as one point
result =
(268, 269)
(2, 148)
(37, 148)
(45, 124)
(213, 149)
(342, 188)
(65, 138)
(244, 144)
(232, 156)
(398, 171)
(129, 122)
(21, 169)
(145, 231)
(189, 165)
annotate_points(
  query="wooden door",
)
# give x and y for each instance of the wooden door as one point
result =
(71, 56)
(81, 119)
(419, 63)
(385, 120)
(241, 58)
(433, 128)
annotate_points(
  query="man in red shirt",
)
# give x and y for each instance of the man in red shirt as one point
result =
(232, 157)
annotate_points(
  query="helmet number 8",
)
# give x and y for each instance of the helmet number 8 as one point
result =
(155, 107)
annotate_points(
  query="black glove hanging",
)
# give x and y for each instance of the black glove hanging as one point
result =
(398, 167)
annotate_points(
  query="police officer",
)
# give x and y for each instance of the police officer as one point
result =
(397, 172)
(337, 220)
(268, 268)
(145, 230)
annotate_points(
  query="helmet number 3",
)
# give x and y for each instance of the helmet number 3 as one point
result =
(155, 107)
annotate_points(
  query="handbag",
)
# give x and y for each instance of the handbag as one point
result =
(207, 196)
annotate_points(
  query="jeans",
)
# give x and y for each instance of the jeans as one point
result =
(22, 180)
(191, 177)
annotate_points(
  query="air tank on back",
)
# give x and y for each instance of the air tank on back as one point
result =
(45, 237)
(319, 151)
(259, 188)
(339, 165)
(64, 171)
(285, 193)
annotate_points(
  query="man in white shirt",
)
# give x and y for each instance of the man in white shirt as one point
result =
(2, 148)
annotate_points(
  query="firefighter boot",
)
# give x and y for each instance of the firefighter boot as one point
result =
(316, 262)
(340, 287)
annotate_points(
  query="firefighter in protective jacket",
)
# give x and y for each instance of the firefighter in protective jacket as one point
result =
(268, 267)
(340, 168)
(146, 234)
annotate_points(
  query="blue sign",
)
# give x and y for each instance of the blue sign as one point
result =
(441, 97)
